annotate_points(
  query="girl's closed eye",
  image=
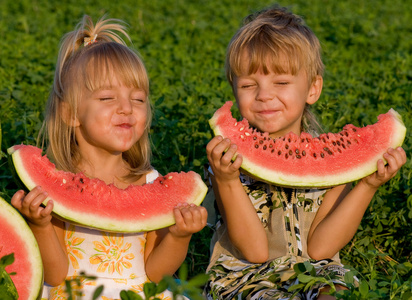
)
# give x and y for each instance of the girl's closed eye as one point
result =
(105, 98)
(139, 97)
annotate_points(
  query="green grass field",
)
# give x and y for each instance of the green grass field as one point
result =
(367, 52)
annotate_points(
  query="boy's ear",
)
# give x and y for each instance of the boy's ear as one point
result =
(315, 90)
(67, 116)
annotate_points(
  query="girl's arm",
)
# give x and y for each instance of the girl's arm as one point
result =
(342, 210)
(48, 231)
(166, 248)
(244, 227)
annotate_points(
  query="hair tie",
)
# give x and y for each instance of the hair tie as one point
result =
(90, 40)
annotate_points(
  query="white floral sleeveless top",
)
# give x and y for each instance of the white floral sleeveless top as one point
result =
(116, 259)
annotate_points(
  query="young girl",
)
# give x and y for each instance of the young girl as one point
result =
(97, 122)
(274, 66)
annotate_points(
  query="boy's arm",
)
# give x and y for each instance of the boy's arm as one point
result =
(342, 210)
(166, 248)
(49, 233)
(244, 227)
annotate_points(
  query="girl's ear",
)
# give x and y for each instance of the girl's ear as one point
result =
(67, 116)
(315, 90)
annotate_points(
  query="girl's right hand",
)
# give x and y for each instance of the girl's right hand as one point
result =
(220, 153)
(30, 206)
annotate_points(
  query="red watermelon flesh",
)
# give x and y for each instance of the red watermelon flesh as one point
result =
(306, 161)
(92, 203)
(16, 237)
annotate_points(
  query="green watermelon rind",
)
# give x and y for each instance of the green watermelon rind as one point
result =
(25, 234)
(97, 221)
(274, 177)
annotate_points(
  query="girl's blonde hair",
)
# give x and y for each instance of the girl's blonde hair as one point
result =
(88, 66)
(276, 40)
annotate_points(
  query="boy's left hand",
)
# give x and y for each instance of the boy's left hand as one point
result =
(189, 219)
(396, 158)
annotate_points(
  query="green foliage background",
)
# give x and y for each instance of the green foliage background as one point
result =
(367, 53)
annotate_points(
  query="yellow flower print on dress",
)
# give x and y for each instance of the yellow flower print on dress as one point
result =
(112, 254)
(138, 288)
(72, 243)
(77, 284)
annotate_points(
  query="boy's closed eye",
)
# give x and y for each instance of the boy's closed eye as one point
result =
(246, 86)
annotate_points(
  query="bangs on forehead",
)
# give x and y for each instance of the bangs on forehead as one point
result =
(114, 61)
(260, 55)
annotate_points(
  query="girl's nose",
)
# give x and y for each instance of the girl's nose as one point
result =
(125, 106)
(264, 94)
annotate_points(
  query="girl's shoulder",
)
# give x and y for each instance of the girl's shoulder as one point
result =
(152, 175)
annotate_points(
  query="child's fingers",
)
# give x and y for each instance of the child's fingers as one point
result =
(47, 210)
(17, 200)
(228, 156)
(395, 158)
(36, 202)
(237, 162)
(210, 147)
(400, 156)
(219, 149)
(203, 215)
(190, 218)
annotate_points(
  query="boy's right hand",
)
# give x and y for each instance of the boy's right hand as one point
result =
(30, 206)
(224, 167)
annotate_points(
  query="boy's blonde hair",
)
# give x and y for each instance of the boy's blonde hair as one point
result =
(88, 66)
(276, 40)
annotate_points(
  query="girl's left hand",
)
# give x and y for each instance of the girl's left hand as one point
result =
(396, 158)
(190, 219)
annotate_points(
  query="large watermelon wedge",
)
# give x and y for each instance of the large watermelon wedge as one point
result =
(306, 161)
(17, 238)
(92, 203)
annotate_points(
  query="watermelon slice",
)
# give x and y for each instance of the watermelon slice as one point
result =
(92, 203)
(16, 237)
(306, 161)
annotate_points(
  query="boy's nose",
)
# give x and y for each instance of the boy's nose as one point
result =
(264, 94)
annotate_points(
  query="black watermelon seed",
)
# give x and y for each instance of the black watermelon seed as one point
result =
(256, 146)
(314, 155)
(290, 152)
(297, 151)
(287, 146)
(255, 138)
(298, 156)
(264, 147)
(260, 142)
(81, 180)
(279, 152)
(303, 153)
(270, 146)
(286, 155)
(322, 155)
